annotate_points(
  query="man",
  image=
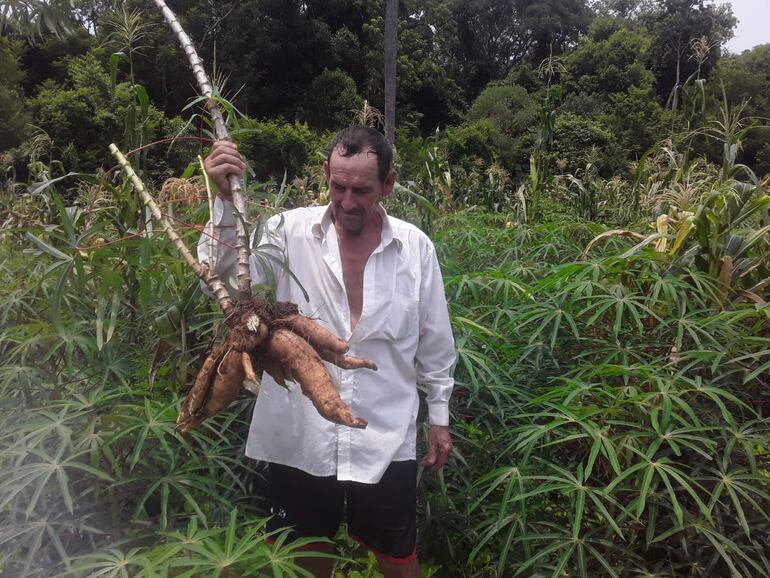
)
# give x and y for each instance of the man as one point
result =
(374, 281)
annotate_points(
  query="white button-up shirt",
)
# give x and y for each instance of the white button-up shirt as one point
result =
(404, 328)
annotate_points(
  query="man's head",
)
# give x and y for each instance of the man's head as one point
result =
(359, 174)
(357, 139)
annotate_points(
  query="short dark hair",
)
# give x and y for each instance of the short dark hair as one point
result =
(357, 139)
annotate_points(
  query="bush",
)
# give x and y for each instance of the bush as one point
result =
(479, 144)
(332, 100)
(508, 107)
(579, 141)
(612, 423)
(272, 147)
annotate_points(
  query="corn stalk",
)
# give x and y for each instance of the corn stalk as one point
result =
(221, 133)
(208, 276)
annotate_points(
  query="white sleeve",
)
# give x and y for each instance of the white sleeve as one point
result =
(436, 347)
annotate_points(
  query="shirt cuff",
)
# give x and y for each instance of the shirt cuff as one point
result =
(438, 413)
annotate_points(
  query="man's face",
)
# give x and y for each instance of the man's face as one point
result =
(355, 190)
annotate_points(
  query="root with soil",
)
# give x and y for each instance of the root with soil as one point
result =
(276, 339)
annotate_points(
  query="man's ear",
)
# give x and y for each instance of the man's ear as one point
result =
(390, 182)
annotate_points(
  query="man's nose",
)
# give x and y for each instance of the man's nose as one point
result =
(347, 201)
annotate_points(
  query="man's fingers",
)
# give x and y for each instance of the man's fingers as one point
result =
(225, 169)
(224, 147)
(439, 448)
(444, 449)
(230, 161)
(223, 160)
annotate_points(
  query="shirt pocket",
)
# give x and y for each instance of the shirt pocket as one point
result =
(402, 317)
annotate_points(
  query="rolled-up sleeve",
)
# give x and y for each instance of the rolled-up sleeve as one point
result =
(436, 348)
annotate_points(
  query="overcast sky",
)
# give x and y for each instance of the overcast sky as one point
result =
(753, 23)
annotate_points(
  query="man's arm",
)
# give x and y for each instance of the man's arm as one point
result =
(223, 160)
(434, 359)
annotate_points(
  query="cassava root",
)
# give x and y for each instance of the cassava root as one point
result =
(305, 366)
(278, 340)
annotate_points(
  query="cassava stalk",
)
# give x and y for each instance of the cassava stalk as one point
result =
(211, 279)
(220, 130)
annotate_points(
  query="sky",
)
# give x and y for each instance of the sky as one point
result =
(753, 24)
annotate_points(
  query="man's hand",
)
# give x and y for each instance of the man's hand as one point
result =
(439, 448)
(224, 159)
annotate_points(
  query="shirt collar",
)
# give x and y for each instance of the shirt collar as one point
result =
(389, 235)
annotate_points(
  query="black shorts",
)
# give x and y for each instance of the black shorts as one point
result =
(382, 516)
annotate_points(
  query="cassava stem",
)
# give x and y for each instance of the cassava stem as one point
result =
(212, 280)
(220, 130)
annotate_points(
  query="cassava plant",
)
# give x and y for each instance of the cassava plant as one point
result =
(612, 423)
(274, 337)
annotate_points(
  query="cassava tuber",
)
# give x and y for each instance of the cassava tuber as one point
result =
(305, 366)
(276, 339)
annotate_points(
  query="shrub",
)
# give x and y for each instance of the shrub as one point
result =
(272, 147)
(579, 141)
(508, 107)
(331, 100)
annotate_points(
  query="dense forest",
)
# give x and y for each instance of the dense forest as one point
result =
(596, 179)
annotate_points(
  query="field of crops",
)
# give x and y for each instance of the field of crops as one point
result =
(605, 246)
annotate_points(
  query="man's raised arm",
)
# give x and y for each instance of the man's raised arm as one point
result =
(223, 160)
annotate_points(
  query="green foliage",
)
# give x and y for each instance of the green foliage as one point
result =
(637, 121)
(508, 107)
(745, 81)
(675, 25)
(273, 147)
(12, 116)
(492, 37)
(84, 115)
(607, 409)
(331, 100)
(610, 414)
(581, 141)
(34, 18)
(606, 63)
(477, 145)
(95, 478)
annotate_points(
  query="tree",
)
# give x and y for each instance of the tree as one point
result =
(607, 78)
(495, 35)
(611, 59)
(391, 53)
(331, 100)
(12, 117)
(675, 26)
(555, 26)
